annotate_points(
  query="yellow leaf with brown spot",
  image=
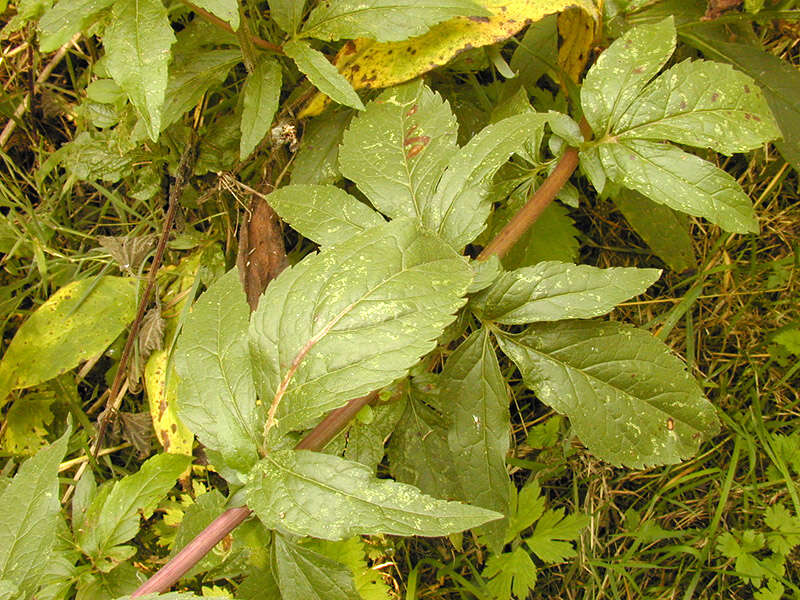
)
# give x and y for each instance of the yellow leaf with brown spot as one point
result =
(366, 63)
(160, 382)
(577, 28)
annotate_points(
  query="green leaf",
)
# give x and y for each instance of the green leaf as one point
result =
(317, 158)
(137, 42)
(552, 237)
(216, 395)
(458, 209)
(313, 64)
(354, 553)
(510, 572)
(665, 230)
(396, 150)
(418, 451)
(525, 508)
(260, 99)
(628, 398)
(553, 530)
(384, 20)
(259, 584)
(346, 499)
(480, 429)
(227, 10)
(779, 80)
(537, 53)
(622, 71)
(365, 441)
(552, 291)
(29, 519)
(65, 19)
(76, 323)
(785, 527)
(352, 318)
(113, 517)
(287, 13)
(303, 573)
(323, 213)
(191, 75)
(680, 180)
(197, 517)
(701, 103)
(8, 590)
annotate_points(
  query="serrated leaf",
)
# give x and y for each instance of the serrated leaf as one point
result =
(66, 330)
(550, 539)
(66, 18)
(665, 230)
(26, 423)
(259, 584)
(346, 499)
(29, 520)
(161, 385)
(227, 10)
(313, 64)
(367, 63)
(510, 573)
(287, 13)
(323, 213)
(384, 20)
(701, 103)
(115, 515)
(779, 80)
(418, 451)
(198, 516)
(552, 237)
(137, 43)
(303, 573)
(365, 441)
(552, 291)
(353, 553)
(317, 158)
(191, 75)
(396, 150)
(525, 508)
(216, 394)
(680, 180)
(475, 389)
(260, 99)
(622, 71)
(352, 318)
(458, 209)
(627, 397)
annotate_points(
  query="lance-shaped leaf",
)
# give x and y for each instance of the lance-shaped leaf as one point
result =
(317, 158)
(66, 18)
(367, 63)
(346, 499)
(701, 103)
(623, 70)
(227, 10)
(287, 13)
(161, 384)
(76, 323)
(113, 517)
(475, 393)
(260, 100)
(352, 319)
(396, 150)
(680, 180)
(323, 213)
(303, 573)
(628, 398)
(384, 20)
(552, 291)
(137, 42)
(216, 395)
(29, 520)
(458, 209)
(313, 64)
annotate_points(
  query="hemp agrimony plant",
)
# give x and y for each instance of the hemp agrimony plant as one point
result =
(391, 310)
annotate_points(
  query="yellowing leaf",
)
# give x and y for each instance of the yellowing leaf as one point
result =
(577, 28)
(366, 63)
(161, 384)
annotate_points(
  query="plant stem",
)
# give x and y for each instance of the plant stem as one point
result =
(534, 207)
(257, 41)
(202, 544)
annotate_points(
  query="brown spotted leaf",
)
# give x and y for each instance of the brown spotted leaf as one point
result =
(366, 63)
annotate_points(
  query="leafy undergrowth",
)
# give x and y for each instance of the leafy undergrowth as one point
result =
(723, 524)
